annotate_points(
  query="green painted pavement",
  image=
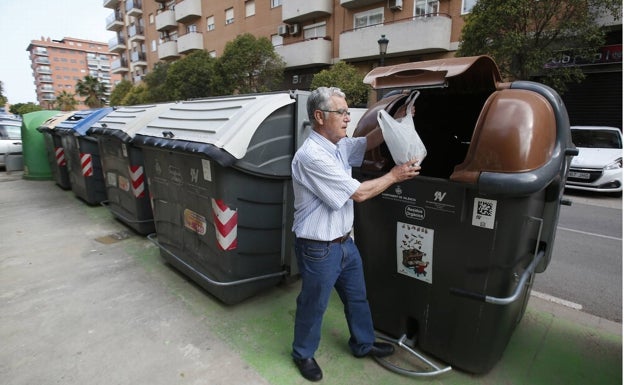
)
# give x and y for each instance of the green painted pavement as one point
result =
(544, 349)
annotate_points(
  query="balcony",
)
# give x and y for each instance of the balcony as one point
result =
(47, 88)
(294, 11)
(190, 41)
(166, 20)
(135, 32)
(112, 4)
(119, 66)
(42, 60)
(168, 50)
(44, 70)
(358, 3)
(410, 36)
(114, 22)
(48, 96)
(40, 51)
(45, 79)
(307, 53)
(117, 44)
(133, 8)
(187, 10)
(138, 59)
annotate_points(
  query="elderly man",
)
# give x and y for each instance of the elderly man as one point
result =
(326, 255)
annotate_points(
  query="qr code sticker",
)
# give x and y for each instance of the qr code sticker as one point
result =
(484, 213)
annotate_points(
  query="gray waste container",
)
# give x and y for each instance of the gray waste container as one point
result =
(83, 155)
(450, 255)
(122, 164)
(220, 180)
(55, 150)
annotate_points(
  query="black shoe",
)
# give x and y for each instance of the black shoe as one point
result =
(379, 350)
(309, 369)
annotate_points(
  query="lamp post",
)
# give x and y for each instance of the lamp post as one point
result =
(383, 48)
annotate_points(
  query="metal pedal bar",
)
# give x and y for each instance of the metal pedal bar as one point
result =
(412, 373)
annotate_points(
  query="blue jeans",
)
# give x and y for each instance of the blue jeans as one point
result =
(323, 266)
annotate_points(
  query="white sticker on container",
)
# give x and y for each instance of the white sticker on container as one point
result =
(124, 150)
(207, 170)
(111, 179)
(484, 213)
(415, 251)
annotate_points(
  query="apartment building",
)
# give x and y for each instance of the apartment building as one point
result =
(59, 64)
(312, 35)
(309, 35)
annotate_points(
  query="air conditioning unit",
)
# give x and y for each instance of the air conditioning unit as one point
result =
(294, 29)
(395, 5)
(282, 30)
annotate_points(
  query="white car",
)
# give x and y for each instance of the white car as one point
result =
(10, 138)
(598, 166)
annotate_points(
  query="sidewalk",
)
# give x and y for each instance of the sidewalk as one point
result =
(83, 300)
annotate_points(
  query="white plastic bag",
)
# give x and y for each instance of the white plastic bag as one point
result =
(400, 134)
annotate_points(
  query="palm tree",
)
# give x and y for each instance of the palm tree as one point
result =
(65, 101)
(92, 90)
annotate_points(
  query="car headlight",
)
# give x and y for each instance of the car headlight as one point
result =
(616, 164)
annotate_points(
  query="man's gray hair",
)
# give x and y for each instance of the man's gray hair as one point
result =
(320, 98)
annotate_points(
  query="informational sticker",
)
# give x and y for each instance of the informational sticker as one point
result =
(111, 179)
(124, 184)
(415, 251)
(207, 170)
(194, 222)
(484, 213)
(124, 150)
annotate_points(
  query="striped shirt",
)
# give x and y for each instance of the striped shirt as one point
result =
(323, 186)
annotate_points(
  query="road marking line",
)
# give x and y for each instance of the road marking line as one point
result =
(556, 300)
(586, 233)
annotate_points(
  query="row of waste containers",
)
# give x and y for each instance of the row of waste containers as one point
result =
(449, 256)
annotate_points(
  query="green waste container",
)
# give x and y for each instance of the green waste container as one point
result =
(220, 179)
(36, 165)
(450, 256)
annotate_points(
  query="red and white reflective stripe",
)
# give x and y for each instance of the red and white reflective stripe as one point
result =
(86, 163)
(60, 156)
(226, 225)
(138, 181)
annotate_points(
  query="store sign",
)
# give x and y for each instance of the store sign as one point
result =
(608, 54)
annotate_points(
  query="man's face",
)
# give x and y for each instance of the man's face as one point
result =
(333, 125)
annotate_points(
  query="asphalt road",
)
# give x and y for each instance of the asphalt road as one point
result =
(586, 267)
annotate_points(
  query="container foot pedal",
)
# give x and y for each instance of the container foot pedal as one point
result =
(429, 369)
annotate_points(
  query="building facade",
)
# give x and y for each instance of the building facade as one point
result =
(309, 35)
(59, 64)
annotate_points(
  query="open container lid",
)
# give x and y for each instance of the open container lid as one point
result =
(51, 123)
(124, 122)
(478, 70)
(227, 123)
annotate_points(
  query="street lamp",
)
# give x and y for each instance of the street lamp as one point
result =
(383, 48)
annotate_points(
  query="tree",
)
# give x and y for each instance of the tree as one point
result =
(136, 95)
(347, 78)
(24, 108)
(92, 90)
(3, 99)
(191, 77)
(119, 92)
(523, 35)
(156, 82)
(65, 101)
(249, 64)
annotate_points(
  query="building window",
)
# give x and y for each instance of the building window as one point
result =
(151, 18)
(276, 3)
(467, 6)
(315, 30)
(229, 16)
(191, 28)
(426, 7)
(154, 48)
(210, 23)
(250, 8)
(368, 18)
